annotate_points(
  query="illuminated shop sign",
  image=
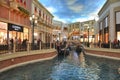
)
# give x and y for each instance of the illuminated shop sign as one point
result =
(13, 27)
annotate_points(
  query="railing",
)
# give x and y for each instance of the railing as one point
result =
(12, 48)
(3, 49)
(102, 45)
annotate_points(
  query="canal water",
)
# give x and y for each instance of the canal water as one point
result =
(71, 67)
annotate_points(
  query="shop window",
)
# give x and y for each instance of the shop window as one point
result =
(106, 37)
(25, 33)
(12, 34)
(3, 37)
(3, 33)
(118, 35)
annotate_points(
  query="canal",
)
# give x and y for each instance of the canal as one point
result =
(69, 67)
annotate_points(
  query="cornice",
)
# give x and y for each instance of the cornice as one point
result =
(106, 5)
(36, 2)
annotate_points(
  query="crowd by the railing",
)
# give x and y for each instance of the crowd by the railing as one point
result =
(12, 48)
(113, 45)
(26, 46)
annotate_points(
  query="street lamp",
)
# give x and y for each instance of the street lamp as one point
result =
(59, 35)
(88, 45)
(33, 20)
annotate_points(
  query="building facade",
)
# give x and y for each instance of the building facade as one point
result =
(14, 20)
(57, 30)
(74, 30)
(87, 31)
(43, 29)
(109, 21)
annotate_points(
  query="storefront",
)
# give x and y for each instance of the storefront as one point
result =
(106, 35)
(3, 33)
(118, 25)
(9, 31)
(17, 31)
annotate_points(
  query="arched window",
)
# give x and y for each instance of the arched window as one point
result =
(24, 3)
(35, 9)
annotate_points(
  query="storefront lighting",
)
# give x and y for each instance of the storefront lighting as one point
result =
(59, 34)
(35, 34)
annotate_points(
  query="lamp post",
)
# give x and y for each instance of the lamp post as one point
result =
(59, 35)
(88, 45)
(83, 37)
(33, 20)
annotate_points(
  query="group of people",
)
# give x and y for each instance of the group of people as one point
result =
(111, 44)
(18, 43)
(64, 47)
(116, 43)
(61, 47)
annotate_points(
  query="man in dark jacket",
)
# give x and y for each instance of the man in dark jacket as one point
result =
(78, 49)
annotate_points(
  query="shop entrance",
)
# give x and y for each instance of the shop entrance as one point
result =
(15, 34)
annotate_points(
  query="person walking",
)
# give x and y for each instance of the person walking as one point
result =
(78, 49)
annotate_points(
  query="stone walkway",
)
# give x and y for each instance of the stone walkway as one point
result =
(104, 49)
(24, 53)
(104, 52)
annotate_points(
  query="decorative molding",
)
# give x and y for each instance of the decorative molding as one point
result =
(23, 10)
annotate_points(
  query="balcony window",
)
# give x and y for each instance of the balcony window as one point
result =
(24, 3)
(21, 1)
(39, 13)
(35, 9)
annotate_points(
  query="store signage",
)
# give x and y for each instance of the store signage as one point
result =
(13, 27)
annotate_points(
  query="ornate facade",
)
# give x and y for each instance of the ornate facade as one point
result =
(43, 29)
(14, 20)
(109, 21)
(87, 31)
(74, 30)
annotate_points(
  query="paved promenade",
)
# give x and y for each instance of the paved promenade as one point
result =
(105, 49)
(24, 53)
(104, 52)
(11, 60)
(95, 51)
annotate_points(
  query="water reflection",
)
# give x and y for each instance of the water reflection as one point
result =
(107, 67)
(74, 68)
(77, 59)
(80, 67)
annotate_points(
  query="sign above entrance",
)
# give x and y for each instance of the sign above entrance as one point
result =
(13, 27)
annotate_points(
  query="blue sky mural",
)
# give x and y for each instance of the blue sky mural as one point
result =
(73, 10)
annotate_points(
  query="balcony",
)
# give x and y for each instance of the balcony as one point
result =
(13, 4)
